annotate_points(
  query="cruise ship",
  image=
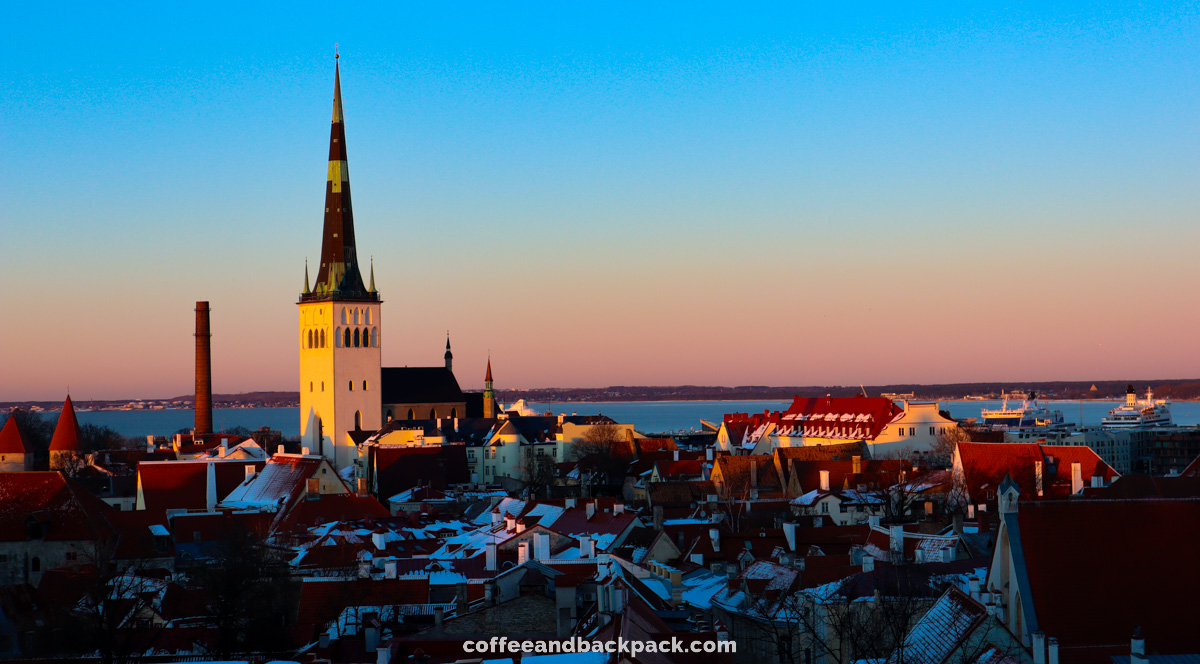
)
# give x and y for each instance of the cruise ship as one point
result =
(1139, 413)
(1029, 414)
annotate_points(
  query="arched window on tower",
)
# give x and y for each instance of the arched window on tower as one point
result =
(454, 413)
(347, 344)
(368, 316)
(343, 315)
(322, 337)
(433, 413)
(358, 420)
(356, 337)
(364, 386)
(337, 338)
(310, 386)
(351, 386)
(411, 414)
(375, 337)
(310, 339)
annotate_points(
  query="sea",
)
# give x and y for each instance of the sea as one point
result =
(646, 416)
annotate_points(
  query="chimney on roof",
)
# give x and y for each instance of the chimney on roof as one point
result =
(824, 480)
(868, 563)
(379, 540)
(1076, 478)
(497, 517)
(708, 454)
(874, 521)
(279, 448)
(150, 444)
(675, 454)
(439, 614)
(223, 450)
(857, 464)
(304, 451)
(323, 640)
(973, 588)
(362, 487)
(210, 489)
(541, 546)
(383, 655)
(522, 553)
(658, 517)
(389, 568)
(715, 536)
(1137, 647)
(618, 509)
(250, 470)
(203, 400)
(461, 599)
(897, 539)
(489, 556)
(1052, 649)
(1039, 647)
(589, 509)
(569, 503)
(789, 533)
(520, 525)
(510, 523)
(587, 547)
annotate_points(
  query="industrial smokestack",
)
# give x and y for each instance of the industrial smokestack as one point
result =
(203, 401)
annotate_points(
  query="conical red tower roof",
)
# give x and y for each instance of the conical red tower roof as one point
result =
(11, 440)
(66, 432)
(488, 377)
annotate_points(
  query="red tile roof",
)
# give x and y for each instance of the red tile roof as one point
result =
(280, 481)
(66, 432)
(838, 417)
(327, 509)
(735, 471)
(1132, 553)
(63, 508)
(323, 599)
(984, 465)
(11, 440)
(184, 484)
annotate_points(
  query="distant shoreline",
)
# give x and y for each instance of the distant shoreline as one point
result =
(1186, 389)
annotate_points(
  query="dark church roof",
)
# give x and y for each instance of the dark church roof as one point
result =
(402, 385)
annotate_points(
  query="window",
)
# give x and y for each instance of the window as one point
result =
(931, 430)
(912, 431)
(364, 386)
(824, 508)
(310, 386)
(347, 344)
(322, 386)
(454, 413)
(411, 414)
(70, 556)
(356, 338)
(901, 430)
(35, 565)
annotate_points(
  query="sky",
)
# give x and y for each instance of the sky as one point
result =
(606, 193)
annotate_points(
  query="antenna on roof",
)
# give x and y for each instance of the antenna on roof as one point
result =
(860, 386)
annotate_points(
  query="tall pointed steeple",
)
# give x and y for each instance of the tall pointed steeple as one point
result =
(339, 277)
(449, 356)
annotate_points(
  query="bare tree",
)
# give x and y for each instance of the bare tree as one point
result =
(601, 456)
(537, 472)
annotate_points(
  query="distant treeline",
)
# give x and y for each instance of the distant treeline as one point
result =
(1178, 389)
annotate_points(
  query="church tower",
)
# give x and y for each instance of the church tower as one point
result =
(489, 395)
(339, 323)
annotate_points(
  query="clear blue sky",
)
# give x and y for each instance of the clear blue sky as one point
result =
(607, 194)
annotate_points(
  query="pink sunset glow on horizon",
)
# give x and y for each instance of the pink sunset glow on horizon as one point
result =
(617, 209)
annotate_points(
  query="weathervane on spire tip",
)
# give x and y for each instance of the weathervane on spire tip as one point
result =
(335, 51)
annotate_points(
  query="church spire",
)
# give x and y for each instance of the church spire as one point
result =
(339, 276)
(371, 288)
(489, 395)
(307, 290)
(449, 356)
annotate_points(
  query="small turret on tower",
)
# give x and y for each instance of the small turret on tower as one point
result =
(449, 356)
(489, 396)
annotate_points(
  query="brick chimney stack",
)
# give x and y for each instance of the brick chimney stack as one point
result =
(203, 402)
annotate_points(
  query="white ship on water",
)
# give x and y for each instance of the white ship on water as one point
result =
(1139, 413)
(1029, 414)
